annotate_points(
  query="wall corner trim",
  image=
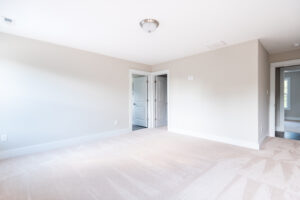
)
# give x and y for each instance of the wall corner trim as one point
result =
(236, 142)
(60, 144)
(273, 66)
(261, 140)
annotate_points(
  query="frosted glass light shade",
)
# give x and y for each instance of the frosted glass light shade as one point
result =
(149, 25)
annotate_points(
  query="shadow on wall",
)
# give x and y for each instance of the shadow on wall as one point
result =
(50, 93)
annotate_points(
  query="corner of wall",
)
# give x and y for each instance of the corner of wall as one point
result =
(263, 92)
(284, 56)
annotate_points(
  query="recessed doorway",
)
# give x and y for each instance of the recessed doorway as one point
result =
(139, 101)
(148, 99)
(160, 99)
(287, 98)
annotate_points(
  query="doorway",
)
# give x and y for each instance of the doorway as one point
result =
(148, 99)
(140, 101)
(161, 100)
(287, 102)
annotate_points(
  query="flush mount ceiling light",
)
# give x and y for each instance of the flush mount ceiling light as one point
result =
(296, 44)
(149, 25)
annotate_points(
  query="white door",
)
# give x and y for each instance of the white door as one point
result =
(161, 101)
(140, 101)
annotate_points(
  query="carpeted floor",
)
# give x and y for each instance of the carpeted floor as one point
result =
(155, 165)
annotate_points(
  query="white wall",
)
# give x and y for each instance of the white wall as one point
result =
(50, 92)
(224, 99)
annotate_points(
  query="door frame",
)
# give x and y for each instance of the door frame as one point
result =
(145, 73)
(151, 95)
(272, 106)
(153, 75)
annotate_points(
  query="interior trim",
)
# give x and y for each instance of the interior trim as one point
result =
(272, 108)
(60, 144)
(236, 142)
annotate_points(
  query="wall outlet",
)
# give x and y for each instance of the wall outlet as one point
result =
(116, 122)
(190, 77)
(3, 138)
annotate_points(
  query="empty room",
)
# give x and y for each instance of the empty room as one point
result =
(149, 100)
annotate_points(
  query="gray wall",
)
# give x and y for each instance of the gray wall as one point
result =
(279, 111)
(263, 92)
(289, 55)
(294, 112)
(224, 97)
(50, 92)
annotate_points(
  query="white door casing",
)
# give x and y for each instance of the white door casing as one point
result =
(272, 107)
(151, 96)
(280, 126)
(140, 101)
(161, 101)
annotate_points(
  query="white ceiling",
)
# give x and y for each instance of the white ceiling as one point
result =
(187, 27)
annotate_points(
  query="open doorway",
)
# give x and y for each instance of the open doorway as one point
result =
(287, 102)
(148, 99)
(140, 101)
(161, 100)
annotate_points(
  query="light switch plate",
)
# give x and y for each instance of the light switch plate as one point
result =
(190, 77)
(3, 138)
(116, 122)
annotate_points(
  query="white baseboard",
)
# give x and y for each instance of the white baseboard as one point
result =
(261, 140)
(58, 144)
(236, 142)
(292, 118)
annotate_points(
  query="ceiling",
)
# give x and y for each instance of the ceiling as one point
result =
(187, 27)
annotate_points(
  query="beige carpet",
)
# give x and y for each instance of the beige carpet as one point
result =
(155, 165)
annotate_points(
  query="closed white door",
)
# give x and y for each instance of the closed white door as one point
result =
(140, 101)
(161, 101)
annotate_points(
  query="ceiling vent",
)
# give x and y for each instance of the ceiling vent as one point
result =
(216, 45)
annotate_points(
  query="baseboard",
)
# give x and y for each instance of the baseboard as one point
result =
(292, 118)
(236, 142)
(59, 144)
(261, 140)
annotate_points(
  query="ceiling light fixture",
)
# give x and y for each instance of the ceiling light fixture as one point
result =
(296, 44)
(149, 25)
